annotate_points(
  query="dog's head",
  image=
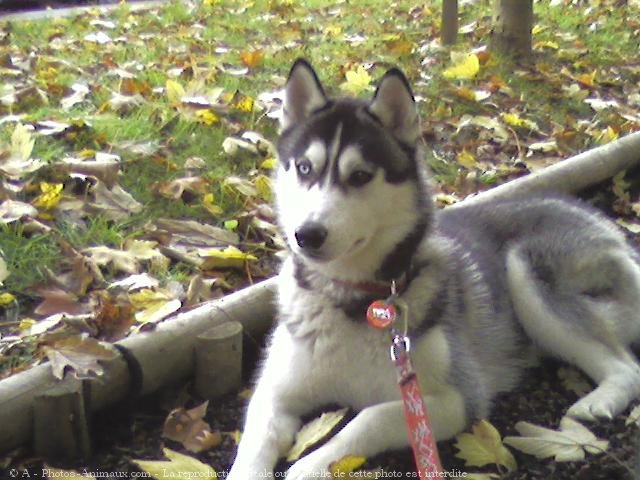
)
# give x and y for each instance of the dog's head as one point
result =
(349, 188)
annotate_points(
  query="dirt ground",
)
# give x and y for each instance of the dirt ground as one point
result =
(133, 431)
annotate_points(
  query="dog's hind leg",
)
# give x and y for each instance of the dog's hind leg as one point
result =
(588, 318)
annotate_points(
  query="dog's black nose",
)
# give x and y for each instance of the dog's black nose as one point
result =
(311, 235)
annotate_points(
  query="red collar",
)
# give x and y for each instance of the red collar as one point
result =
(379, 289)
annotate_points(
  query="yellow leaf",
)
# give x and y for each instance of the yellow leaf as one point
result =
(263, 186)
(315, 431)
(231, 224)
(546, 44)
(466, 159)
(230, 257)
(332, 30)
(153, 305)
(210, 3)
(209, 203)
(269, 164)
(606, 135)
(176, 467)
(50, 196)
(357, 82)
(252, 58)
(6, 299)
(343, 467)
(244, 103)
(207, 116)
(26, 323)
(175, 92)
(463, 66)
(484, 446)
(514, 120)
(22, 142)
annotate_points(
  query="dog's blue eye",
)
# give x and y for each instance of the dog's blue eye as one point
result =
(359, 178)
(304, 168)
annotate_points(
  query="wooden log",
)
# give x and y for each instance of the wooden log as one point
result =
(218, 354)
(570, 175)
(60, 424)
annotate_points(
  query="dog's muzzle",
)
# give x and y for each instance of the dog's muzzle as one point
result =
(310, 236)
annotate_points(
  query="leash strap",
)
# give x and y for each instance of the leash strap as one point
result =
(423, 443)
(383, 314)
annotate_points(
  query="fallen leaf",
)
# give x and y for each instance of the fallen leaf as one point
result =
(634, 417)
(574, 381)
(12, 210)
(6, 298)
(189, 428)
(464, 66)
(357, 81)
(58, 301)
(229, 257)
(4, 271)
(515, 120)
(566, 445)
(466, 159)
(80, 91)
(114, 202)
(314, 432)
(50, 196)
(81, 354)
(120, 261)
(194, 233)
(153, 305)
(175, 92)
(136, 282)
(177, 466)
(483, 447)
(346, 465)
(252, 58)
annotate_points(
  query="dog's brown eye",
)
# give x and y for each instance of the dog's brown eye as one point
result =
(304, 167)
(359, 178)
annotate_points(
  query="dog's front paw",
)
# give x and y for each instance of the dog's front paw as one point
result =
(314, 465)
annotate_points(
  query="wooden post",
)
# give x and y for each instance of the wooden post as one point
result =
(61, 429)
(219, 360)
(449, 23)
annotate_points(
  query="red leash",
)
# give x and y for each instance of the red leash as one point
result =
(383, 314)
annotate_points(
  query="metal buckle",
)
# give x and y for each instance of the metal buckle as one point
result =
(403, 343)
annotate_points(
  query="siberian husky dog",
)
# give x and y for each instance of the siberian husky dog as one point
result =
(487, 285)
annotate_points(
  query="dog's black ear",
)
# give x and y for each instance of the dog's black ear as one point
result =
(394, 105)
(303, 94)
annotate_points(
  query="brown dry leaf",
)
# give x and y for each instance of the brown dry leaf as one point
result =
(176, 188)
(58, 301)
(115, 203)
(119, 260)
(113, 314)
(194, 233)
(17, 161)
(81, 354)
(189, 428)
(104, 167)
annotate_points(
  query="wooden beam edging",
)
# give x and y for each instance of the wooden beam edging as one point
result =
(161, 356)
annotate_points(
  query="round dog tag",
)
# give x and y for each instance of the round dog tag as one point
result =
(381, 314)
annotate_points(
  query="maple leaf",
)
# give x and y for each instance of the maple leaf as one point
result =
(566, 445)
(81, 354)
(19, 162)
(483, 447)
(176, 467)
(314, 432)
(189, 428)
(358, 81)
(50, 196)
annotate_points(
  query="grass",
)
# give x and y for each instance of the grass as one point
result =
(194, 43)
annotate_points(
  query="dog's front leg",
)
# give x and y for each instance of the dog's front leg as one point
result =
(268, 434)
(380, 428)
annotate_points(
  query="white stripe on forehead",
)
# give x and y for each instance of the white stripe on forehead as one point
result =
(316, 153)
(334, 148)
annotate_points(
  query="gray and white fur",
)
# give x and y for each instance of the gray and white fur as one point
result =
(488, 286)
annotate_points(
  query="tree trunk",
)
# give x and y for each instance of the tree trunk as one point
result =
(449, 26)
(512, 24)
